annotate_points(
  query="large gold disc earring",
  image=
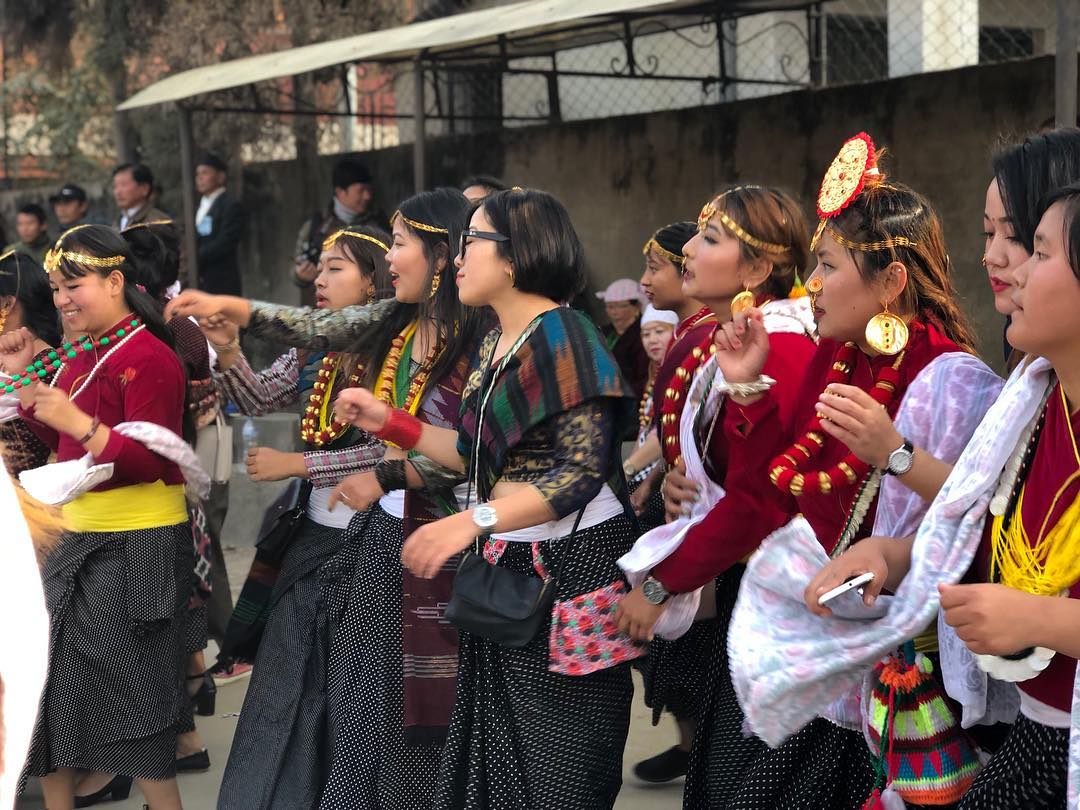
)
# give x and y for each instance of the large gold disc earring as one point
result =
(886, 333)
(813, 289)
(742, 302)
(436, 280)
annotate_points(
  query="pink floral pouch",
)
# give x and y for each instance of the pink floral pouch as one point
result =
(584, 636)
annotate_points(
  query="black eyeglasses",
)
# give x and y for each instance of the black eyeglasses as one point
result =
(472, 233)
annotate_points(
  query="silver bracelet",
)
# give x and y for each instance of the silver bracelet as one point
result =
(759, 386)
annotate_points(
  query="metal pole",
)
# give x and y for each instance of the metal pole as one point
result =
(1065, 64)
(187, 182)
(419, 120)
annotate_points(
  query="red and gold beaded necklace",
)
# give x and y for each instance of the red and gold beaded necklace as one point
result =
(314, 429)
(787, 470)
(671, 407)
(703, 315)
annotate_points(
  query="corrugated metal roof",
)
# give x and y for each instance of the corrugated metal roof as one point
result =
(429, 37)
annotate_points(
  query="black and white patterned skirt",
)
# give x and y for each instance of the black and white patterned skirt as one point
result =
(1028, 772)
(525, 738)
(370, 765)
(117, 603)
(280, 749)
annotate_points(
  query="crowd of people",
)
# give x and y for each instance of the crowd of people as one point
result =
(840, 549)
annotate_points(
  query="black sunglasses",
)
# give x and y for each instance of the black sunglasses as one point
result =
(472, 233)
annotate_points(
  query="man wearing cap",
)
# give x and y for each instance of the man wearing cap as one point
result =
(352, 204)
(30, 224)
(622, 303)
(219, 226)
(70, 206)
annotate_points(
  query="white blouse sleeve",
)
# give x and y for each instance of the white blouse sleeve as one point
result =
(939, 413)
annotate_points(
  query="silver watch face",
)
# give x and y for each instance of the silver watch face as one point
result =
(485, 518)
(900, 461)
(653, 591)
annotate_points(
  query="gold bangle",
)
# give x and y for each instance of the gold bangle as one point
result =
(223, 348)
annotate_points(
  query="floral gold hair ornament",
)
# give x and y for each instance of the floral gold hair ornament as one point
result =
(331, 240)
(710, 210)
(420, 226)
(652, 244)
(845, 180)
(57, 254)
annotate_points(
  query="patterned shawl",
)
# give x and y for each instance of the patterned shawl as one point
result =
(429, 641)
(564, 363)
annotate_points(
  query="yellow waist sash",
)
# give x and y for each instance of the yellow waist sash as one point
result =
(125, 509)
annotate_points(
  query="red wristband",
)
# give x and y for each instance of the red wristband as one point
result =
(401, 429)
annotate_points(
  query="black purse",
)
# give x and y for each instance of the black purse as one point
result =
(501, 605)
(489, 601)
(282, 520)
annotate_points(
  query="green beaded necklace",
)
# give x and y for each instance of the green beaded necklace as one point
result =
(39, 369)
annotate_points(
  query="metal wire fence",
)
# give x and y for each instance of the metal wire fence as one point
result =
(665, 64)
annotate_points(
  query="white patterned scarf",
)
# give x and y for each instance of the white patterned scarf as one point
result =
(787, 664)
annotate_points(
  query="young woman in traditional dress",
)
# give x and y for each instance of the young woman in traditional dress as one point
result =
(25, 301)
(280, 741)
(393, 663)
(657, 327)
(750, 249)
(117, 584)
(1010, 511)
(541, 725)
(902, 393)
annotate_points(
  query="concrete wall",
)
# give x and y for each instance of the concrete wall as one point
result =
(623, 177)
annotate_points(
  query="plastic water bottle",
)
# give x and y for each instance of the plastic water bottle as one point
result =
(250, 435)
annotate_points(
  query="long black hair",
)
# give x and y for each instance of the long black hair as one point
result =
(25, 280)
(1029, 170)
(458, 325)
(103, 242)
(155, 249)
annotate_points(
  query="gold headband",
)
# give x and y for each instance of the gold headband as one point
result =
(420, 226)
(740, 233)
(147, 224)
(331, 240)
(863, 247)
(652, 244)
(57, 254)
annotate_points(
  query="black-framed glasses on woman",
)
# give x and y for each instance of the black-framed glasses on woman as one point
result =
(472, 233)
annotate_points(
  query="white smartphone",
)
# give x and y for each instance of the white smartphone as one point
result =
(854, 582)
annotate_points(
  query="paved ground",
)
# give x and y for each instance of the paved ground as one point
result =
(199, 791)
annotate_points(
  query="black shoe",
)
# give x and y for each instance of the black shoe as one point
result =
(117, 790)
(663, 767)
(205, 699)
(199, 761)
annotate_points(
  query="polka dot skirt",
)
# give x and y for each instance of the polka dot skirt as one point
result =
(370, 766)
(721, 751)
(280, 753)
(115, 685)
(1028, 772)
(524, 738)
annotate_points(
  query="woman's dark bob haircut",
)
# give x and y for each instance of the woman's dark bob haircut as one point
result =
(543, 246)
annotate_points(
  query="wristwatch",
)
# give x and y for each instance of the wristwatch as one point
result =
(485, 519)
(654, 592)
(901, 459)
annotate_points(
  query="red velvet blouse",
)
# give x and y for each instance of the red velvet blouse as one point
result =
(141, 381)
(1054, 461)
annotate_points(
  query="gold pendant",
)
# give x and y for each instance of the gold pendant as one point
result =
(742, 302)
(886, 333)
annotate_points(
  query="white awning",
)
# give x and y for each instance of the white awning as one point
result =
(428, 37)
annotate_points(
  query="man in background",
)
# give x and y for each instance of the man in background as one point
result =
(352, 204)
(132, 186)
(219, 227)
(31, 226)
(70, 206)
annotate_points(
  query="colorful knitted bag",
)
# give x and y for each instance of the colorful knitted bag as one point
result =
(924, 756)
